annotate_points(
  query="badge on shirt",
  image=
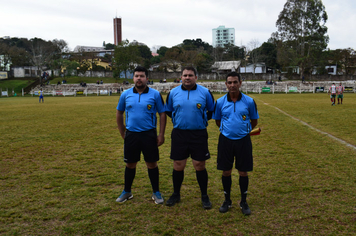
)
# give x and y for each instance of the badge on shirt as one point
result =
(198, 105)
(149, 107)
(244, 117)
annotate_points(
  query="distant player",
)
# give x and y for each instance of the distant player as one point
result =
(332, 92)
(41, 95)
(340, 93)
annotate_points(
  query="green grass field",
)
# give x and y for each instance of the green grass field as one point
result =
(62, 168)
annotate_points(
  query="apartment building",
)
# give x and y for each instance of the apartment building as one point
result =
(223, 36)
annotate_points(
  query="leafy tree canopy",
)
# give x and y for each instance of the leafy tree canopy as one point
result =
(126, 56)
(109, 46)
(301, 34)
(162, 51)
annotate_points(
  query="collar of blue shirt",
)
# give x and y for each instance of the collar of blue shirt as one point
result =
(229, 98)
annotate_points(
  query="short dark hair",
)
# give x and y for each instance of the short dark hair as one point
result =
(233, 74)
(141, 69)
(190, 68)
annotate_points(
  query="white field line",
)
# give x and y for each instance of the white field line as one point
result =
(317, 130)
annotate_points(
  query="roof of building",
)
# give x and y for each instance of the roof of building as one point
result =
(226, 65)
(88, 49)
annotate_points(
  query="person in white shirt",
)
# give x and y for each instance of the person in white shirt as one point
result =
(332, 93)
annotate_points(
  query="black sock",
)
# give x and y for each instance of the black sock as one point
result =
(129, 177)
(178, 177)
(243, 181)
(202, 177)
(226, 182)
(153, 174)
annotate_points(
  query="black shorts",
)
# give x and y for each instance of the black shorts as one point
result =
(241, 149)
(189, 142)
(137, 142)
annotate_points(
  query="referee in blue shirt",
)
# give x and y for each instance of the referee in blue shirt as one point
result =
(140, 105)
(236, 115)
(188, 106)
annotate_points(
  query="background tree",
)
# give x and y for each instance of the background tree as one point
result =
(254, 53)
(126, 56)
(268, 55)
(5, 58)
(203, 62)
(156, 60)
(172, 58)
(70, 66)
(36, 52)
(145, 54)
(218, 53)
(109, 46)
(229, 52)
(19, 56)
(196, 44)
(196, 53)
(301, 33)
(16, 42)
(345, 59)
(232, 52)
(41, 54)
(15, 51)
(162, 51)
(85, 60)
(60, 48)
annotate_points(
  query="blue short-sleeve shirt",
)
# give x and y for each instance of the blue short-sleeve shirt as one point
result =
(235, 116)
(189, 107)
(140, 109)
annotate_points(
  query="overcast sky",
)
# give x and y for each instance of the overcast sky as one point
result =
(161, 22)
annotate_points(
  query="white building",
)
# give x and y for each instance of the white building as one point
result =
(223, 36)
(226, 66)
(257, 68)
(99, 51)
(88, 49)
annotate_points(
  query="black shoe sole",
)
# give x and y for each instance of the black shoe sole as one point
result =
(246, 213)
(223, 210)
(207, 207)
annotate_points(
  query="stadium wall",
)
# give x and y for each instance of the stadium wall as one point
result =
(247, 87)
(21, 72)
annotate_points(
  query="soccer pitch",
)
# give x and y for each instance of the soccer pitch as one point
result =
(62, 169)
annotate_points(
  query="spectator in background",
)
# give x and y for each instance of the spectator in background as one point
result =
(332, 92)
